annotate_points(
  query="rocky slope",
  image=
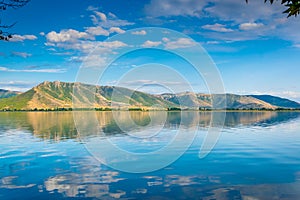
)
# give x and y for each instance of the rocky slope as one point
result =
(55, 95)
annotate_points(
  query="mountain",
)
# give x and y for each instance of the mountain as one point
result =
(61, 95)
(192, 100)
(7, 93)
(247, 102)
(277, 101)
(53, 95)
(188, 99)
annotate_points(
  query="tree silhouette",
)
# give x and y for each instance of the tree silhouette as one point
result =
(4, 5)
(293, 6)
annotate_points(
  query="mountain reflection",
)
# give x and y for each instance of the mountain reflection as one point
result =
(60, 125)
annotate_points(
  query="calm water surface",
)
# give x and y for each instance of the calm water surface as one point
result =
(257, 157)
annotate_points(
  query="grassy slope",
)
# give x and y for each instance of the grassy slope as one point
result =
(17, 102)
(49, 95)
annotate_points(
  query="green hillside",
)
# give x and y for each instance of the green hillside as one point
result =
(54, 95)
(17, 102)
(61, 95)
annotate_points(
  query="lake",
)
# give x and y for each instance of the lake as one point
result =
(44, 156)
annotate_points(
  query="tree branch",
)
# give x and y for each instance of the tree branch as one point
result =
(4, 5)
(293, 6)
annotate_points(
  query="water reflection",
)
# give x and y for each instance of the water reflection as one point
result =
(60, 125)
(247, 163)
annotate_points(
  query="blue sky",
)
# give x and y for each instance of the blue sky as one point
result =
(254, 46)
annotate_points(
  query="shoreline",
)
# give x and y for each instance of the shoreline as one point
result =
(146, 110)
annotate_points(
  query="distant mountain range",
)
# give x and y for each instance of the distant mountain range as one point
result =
(7, 93)
(60, 95)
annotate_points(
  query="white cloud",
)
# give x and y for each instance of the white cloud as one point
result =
(21, 38)
(92, 8)
(262, 17)
(86, 47)
(101, 50)
(100, 19)
(69, 35)
(96, 31)
(101, 15)
(287, 29)
(217, 27)
(42, 34)
(21, 54)
(90, 61)
(142, 32)
(239, 11)
(256, 15)
(213, 42)
(165, 8)
(180, 43)
(17, 85)
(112, 45)
(83, 43)
(250, 26)
(150, 43)
(4, 69)
(116, 30)
(111, 15)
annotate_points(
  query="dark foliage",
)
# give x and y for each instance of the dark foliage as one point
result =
(293, 6)
(4, 5)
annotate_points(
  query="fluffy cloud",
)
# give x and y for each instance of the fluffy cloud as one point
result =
(86, 47)
(254, 20)
(21, 38)
(100, 52)
(258, 18)
(69, 35)
(180, 43)
(116, 30)
(142, 32)
(108, 21)
(288, 29)
(250, 26)
(112, 45)
(96, 31)
(101, 15)
(149, 44)
(83, 43)
(217, 27)
(239, 11)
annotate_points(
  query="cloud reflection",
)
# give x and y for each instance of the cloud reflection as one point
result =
(85, 185)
